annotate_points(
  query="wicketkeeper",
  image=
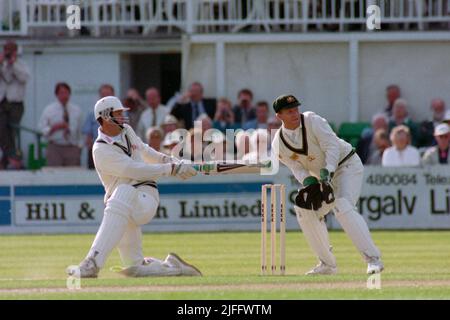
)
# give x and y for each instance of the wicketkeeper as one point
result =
(128, 169)
(331, 174)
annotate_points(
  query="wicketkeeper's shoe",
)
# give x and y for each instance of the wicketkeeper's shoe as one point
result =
(322, 268)
(375, 266)
(87, 269)
(186, 268)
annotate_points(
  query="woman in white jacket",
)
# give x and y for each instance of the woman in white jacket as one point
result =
(401, 154)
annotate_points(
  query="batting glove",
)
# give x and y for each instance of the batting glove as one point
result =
(183, 170)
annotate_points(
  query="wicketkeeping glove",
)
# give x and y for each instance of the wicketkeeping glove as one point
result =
(325, 175)
(310, 196)
(325, 182)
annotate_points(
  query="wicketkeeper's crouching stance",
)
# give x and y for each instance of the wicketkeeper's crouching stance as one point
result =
(128, 169)
(331, 174)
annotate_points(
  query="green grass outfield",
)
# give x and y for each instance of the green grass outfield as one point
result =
(417, 267)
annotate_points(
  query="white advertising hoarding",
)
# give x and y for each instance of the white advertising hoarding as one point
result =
(60, 201)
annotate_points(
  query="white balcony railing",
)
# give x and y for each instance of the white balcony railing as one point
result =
(109, 17)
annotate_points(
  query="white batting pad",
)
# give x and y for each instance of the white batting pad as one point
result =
(115, 220)
(130, 246)
(356, 228)
(316, 234)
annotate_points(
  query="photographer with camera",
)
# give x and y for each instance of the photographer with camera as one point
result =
(224, 117)
(13, 78)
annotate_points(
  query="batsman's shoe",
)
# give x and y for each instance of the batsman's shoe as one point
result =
(186, 268)
(322, 268)
(87, 269)
(375, 267)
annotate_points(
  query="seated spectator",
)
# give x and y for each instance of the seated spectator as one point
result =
(90, 125)
(169, 124)
(426, 129)
(439, 154)
(206, 122)
(197, 105)
(224, 117)
(194, 150)
(392, 94)
(400, 117)
(262, 116)
(154, 113)
(447, 117)
(244, 110)
(154, 137)
(171, 140)
(259, 147)
(401, 154)
(273, 124)
(366, 145)
(242, 143)
(136, 104)
(381, 142)
(216, 150)
(60, 124)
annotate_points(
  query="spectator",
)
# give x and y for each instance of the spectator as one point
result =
(206, 122)
(400, 116)
(259, 147)
(134, 94)
(401, 153)
(242, 144)
(216, 148)
(447, 117)
(197, 105)
(134, 102)
(154, 137)
(14, 75)
(169, 124)
(90, 126)
(244, 110)
(381, 142)
(426, 129)
(366, 145)
(273, 124)
(168, 144)
(392, 93)
(224, 117)
(194, 149)
(61, 124)
(439, 154)
(262, 116)
(154, 114)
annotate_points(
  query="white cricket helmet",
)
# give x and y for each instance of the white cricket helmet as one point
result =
(106, 106)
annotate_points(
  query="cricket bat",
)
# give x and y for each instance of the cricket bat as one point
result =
(238, 167)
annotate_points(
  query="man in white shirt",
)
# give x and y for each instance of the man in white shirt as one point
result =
(61, 124)
(154, 115)
(401, 154)
(128, 169)
(14, 75)
(331, 174)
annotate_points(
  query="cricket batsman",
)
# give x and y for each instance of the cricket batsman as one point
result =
(128, 169)
(331, 176)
